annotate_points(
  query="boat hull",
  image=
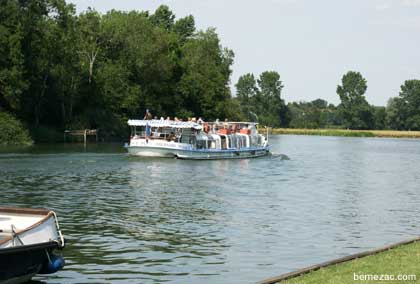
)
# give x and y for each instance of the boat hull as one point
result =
(152, 152)
(20, 264)
(198, 154)
(28, 239)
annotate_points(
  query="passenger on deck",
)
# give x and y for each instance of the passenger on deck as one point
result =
(226, 124)
(168, 118)
(171, 136)
(200, 120)
(148, 115)
(234, 128)
(148, 131)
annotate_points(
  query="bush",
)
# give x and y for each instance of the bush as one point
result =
(12, 132)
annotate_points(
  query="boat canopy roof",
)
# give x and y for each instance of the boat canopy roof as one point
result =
(165, 123)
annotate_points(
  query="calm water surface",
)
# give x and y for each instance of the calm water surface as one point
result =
(134, 220)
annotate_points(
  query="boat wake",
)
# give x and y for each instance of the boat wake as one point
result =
(279, 156)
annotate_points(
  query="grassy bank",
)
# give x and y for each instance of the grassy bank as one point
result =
(348, 133)
(12, 132)
(402, 260)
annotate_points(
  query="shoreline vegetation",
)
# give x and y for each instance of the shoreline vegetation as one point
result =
(397, 260)
(13, 132)
(346, 132)
(63, 70)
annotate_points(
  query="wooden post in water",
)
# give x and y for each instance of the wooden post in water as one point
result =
(85, 133)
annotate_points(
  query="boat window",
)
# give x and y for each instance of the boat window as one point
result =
(223, 142)
(201, 144)
(187, 136)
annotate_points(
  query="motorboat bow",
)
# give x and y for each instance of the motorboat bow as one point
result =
(29, 241)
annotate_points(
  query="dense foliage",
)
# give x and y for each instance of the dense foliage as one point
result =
(63, 70)
(315, 114)
(60, 70)
(12, 131)
(403, 112)
(262, 103)
(355, 111)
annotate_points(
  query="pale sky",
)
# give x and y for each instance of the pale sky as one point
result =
(310, 43)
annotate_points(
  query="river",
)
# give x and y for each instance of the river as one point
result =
(136, 220)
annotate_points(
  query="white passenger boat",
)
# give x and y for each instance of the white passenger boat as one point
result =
(28, 241)
(201, 141)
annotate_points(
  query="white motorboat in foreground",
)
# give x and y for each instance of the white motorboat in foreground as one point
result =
(201, 141)
(28, 240)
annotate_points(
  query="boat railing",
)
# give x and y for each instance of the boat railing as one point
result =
(61, 241)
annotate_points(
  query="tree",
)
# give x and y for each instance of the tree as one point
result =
(314, 114)
(355, 110)
(90, 41)
(246, 92)
(270, 106)
(61, 70)
(203, 89)
(163, 17)
(263, 103)
(410, 94)
(379, 115)
(403, 112)
(320, 104)
(185, 27)
(39, 44)
(65, 76)
(12, 80)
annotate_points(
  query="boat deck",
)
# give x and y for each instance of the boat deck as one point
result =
(19, 221)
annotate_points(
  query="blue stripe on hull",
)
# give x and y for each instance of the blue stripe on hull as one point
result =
(199, 154)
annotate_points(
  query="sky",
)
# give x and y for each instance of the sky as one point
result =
(311, 44)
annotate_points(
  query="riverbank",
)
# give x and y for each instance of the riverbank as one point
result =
(398, 262)
(347, 132)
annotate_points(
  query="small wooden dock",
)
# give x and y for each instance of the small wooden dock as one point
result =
(81, 133)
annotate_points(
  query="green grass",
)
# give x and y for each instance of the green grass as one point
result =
(398, 261)
(347, 132)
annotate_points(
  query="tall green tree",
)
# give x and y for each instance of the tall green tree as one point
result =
(39, 44)
(90, 41)
(185, 27)
(12, 80)
(410, 94)
(403, 112)
(65, 75)
(163, 17)
(92, 70)
(395, 114)
(204, 86)
(379, 115)
(261, 101)
(355, 110)
(270, 106)
(246, 92)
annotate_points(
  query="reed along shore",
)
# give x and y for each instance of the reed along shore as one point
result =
(347, 132)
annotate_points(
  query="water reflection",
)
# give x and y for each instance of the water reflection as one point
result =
(131, 220)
